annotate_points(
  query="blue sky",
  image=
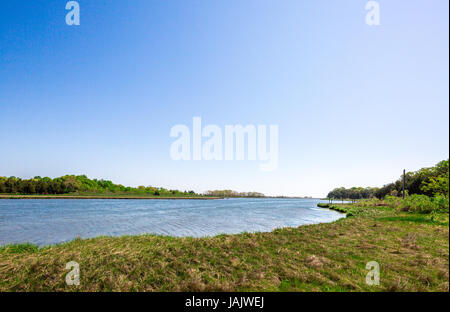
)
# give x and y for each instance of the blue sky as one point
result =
(355, 104)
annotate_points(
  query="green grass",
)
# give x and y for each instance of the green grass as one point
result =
(418, 219)
(19, 248)
(413, 253)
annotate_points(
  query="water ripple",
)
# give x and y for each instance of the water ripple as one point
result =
(53, 221)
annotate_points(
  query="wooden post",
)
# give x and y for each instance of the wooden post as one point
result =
(404, 177)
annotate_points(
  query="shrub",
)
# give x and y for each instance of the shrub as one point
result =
(417, 203)
(440, 203)
(392, 201)
(370, 202)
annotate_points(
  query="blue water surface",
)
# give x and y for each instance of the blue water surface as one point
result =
(51, 221)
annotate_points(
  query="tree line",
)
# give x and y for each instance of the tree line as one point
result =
(230, 193)
(429, 181)
(79, 184)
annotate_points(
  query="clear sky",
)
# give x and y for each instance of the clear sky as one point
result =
(355, 104)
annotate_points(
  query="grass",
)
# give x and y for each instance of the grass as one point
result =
(413, 253)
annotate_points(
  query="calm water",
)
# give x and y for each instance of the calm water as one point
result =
(53, 221)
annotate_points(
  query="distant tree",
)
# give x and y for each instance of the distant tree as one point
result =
(73, 184)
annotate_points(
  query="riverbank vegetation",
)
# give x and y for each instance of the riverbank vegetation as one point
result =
(82, 186)
(103, 196)
(411, 248)
(230, 193)
(430, 182)
(71, 186)
(412, 203)
(422, 204)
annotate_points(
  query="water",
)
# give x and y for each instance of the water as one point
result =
(51, 221)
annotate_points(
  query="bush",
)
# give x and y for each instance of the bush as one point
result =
(413, 203)
(370, 202)
(323, 205)
(392, 201)
(417, 203)
(440, 203)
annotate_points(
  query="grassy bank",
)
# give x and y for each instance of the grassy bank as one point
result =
(412, 250)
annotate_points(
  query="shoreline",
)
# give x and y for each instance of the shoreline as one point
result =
(99, 197)
(4, 196)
